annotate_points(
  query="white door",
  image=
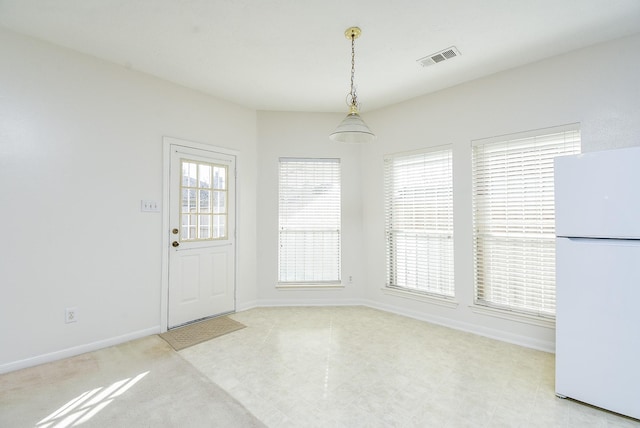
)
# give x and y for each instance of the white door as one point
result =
(202, 235)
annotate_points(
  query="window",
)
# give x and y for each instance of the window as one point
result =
(514, 219)
(309, 216)
(203, 211)
(419, 222)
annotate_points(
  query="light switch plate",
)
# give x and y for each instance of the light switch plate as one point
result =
(149, 206)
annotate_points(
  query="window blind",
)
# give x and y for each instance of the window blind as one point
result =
(309, 220)
(514, 219)
(418, 191)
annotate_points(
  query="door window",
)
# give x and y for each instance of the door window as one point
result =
(203, 211)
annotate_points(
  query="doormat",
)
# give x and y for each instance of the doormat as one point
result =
(192, 334)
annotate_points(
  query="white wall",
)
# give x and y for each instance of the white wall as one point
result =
(80, 146)
(306, 135)
(597, 87)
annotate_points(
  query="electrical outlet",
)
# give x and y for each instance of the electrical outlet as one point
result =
(70, 315)
(350, 279)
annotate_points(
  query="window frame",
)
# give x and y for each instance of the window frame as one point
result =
(496, 226)
(307, 221)
(422, 214)
(192, 206)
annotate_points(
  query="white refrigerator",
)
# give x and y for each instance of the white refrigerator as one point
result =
(597, 200)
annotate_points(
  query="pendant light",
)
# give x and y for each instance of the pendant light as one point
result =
(352, 129)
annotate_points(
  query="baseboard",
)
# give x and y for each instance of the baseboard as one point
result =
(527, 342)
(245, 306)
(309, 302)
(77, 350)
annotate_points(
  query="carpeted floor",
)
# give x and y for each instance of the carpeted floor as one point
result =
(143, 383)
(192, 334)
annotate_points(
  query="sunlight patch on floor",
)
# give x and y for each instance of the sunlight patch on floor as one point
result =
(82, 408)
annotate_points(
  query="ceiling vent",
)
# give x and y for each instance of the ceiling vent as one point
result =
(437, 57)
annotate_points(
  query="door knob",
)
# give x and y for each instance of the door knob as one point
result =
(175, 243)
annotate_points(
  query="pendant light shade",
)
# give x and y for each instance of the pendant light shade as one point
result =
(352, 129)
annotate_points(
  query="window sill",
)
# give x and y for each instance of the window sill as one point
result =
(309, 286)
(422, 297)
(513, 316)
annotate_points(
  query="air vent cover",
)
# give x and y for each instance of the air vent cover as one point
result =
(437, 57)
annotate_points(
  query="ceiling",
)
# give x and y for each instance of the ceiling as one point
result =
(292, 55)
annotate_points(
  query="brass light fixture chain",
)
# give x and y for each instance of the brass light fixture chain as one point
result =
(352, 129)
(354, 101)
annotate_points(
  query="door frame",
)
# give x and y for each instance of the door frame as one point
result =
(167, 144)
